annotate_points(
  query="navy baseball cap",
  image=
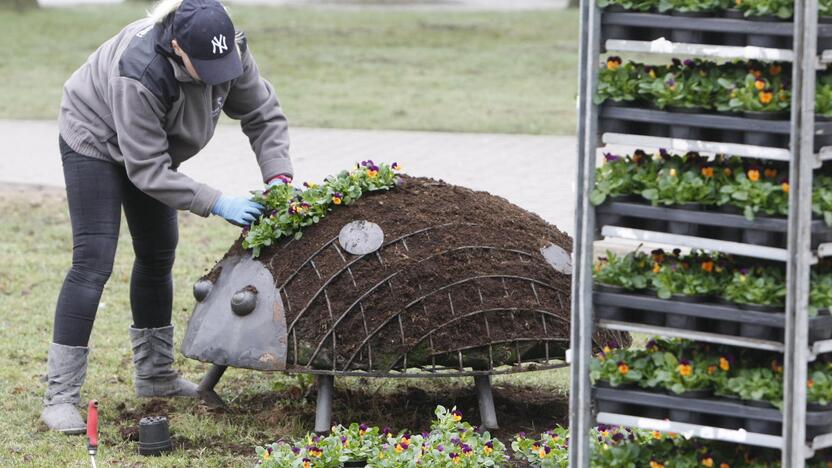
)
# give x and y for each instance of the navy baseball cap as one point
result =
(203, 29)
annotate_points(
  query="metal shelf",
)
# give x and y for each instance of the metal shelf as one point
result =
(692, 335)
(795, 141)
(700, 146)
(665, 47)
(740, 436)
(670, 240)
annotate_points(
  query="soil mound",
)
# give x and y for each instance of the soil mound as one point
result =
(460, 281)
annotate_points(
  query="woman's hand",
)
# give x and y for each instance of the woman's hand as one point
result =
(278, 180)
(237, 210)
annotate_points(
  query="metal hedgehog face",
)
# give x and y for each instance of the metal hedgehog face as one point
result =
(238, 320)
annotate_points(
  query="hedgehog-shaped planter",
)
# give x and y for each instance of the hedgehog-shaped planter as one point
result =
(424, 280)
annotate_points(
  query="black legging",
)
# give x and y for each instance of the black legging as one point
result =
(96, 190)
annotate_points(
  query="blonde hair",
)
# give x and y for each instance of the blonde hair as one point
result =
(163, 8)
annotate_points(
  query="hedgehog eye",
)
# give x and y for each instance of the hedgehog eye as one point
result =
(202, 289)
(361, 237)
(244, 301)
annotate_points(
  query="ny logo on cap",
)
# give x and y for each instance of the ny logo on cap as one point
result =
(218, 44)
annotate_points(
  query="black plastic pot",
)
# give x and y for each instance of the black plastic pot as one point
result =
(614, 125)
(823, 140)
(824, 43)
(615, 31)
(154, 436)
(820, 333)
(764, 138)
(729, 38)
(685, 322)
(729, 233)
(725, 327)
(685, 416)
(753, 330)
(765, 40)
(683, 131)
(612, 219)
(816, 430)
(655, 128)
(686, 229)
(653, 412)
(762, 426)
(610, 406)
(608, 312)
(727, 421)
(355, 463)
(759, 237)
(687, 36)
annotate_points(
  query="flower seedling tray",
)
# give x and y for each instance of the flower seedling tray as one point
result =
(619, 116)
(711, 411)
(709, 224)
(723, 319)
(642, 26)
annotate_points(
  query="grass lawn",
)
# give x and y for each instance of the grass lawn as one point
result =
(502, 72)
(35, 253)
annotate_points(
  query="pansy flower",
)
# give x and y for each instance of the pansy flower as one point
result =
(685, 368)
(613, 63)
(610, 158)
(457, 414)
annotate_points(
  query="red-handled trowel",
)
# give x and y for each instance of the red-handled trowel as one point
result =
(92, 430)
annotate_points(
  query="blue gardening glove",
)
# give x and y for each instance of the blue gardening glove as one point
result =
(237, 210)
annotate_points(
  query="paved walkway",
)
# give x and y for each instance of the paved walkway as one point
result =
(534, 172)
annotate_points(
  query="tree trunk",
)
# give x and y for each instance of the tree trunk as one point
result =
(574, 3)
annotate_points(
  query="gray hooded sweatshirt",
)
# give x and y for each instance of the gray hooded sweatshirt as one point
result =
(134, 103)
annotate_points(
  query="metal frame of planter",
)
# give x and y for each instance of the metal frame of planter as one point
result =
(798, 251)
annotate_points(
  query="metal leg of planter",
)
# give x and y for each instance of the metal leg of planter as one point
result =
(323, 411)
(206, 387)
(488, 415)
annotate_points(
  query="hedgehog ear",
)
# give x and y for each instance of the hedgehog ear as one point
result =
(558, 258)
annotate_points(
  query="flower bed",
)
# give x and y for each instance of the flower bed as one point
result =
(289, 211)
(455, 443)
(451, 442)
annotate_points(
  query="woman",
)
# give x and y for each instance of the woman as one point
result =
(146, 100)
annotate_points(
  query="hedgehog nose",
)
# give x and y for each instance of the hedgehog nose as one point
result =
(244, 301)
(202, 289)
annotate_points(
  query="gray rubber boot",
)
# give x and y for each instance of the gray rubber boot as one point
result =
(66, 370)
(153, 360)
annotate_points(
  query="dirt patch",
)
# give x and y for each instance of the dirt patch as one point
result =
(519, 408)
(131, 416)
(459, 282)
